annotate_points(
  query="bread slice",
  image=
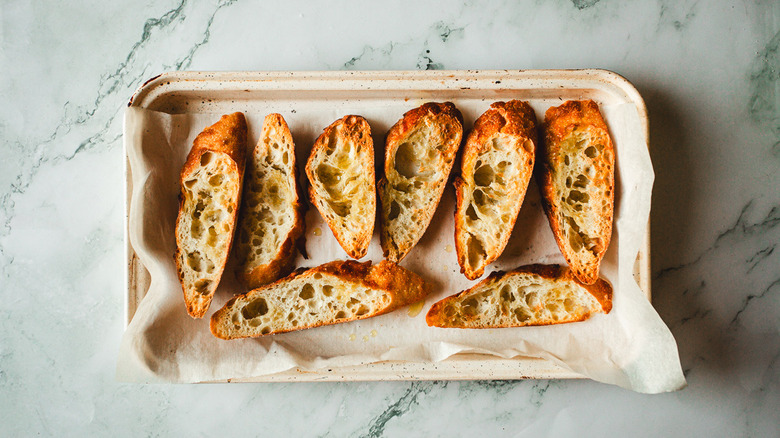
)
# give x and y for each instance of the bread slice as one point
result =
(529, 295)
(497, 164)
(332, 293)
(576, 181)
(271, 217)
(210, 194)
(342, 182)
(419, 153)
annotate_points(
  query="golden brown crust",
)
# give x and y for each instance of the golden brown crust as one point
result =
(282, 263)
(403, 286)
(601, 291)
(450, 132)
(357, 130)
(515, 120)
(412, 118)
(561, 124)
(227, 136)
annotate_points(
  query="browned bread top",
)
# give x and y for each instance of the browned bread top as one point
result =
(576, 180)
(497, 164)
(227, 135)
(529, 295)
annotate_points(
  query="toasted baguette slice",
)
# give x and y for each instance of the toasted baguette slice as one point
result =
(342, 182)
(419, 153)
(576, 181)
(529, 295)
(210, 194)
(271, 217)
(497, 164)
(336, 292)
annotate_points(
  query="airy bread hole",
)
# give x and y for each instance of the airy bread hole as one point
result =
(196, 229)
(591, 152)
(340, 208)
(528, 145)
(578, 196)
(202, 286)
(190, 183)
(285, 158)
(212, 240)
(307, 292)
(484, 175)
(506, 293)
(206, 158)
(194, 261)
(395, 210)
(471, 213)
(199, 207)
(362, 310)
(265, 330)
(476, 251)
(216, 180)
(327, 290)
(340, 314)
(255, 308)
(479, 198)
(402, 186)
(581, 182)
(470, 306)
(521, 315)
(328, 174)
(407, 162)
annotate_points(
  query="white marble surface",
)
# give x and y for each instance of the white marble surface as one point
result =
(709, 73)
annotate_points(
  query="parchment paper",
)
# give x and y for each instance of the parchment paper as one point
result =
(630, 347)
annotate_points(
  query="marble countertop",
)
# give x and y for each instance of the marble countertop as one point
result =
(709, 73)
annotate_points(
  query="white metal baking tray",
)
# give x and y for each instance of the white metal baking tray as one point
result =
(223, 92)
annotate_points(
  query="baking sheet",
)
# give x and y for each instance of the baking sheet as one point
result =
(630, 347)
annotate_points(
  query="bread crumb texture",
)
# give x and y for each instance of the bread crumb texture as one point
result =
(332, 293)
(498, 161)
(532, 295)
(270, 217)
(206, 222)
(210, 191)
(419, 155)
(306, 302)
(578, 186)
(341, 172)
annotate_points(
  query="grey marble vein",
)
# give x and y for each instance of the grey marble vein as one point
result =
(773, 287)
(185, 62)
(446, 32)
(584, 4)
(376, 427)
(759, 257)
(741, 229)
